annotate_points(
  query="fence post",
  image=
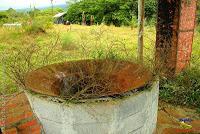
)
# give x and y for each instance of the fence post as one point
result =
(140, 29)
(92, 20)
(83, 18)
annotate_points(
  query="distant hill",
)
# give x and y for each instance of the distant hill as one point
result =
(56, 6)
(63, 6)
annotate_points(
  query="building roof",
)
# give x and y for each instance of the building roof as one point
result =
(59, 14)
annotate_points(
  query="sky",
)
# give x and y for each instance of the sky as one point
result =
(20, 4)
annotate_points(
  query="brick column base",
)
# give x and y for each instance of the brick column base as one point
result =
(175, 31)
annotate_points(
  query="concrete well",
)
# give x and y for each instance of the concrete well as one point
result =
(135, 113)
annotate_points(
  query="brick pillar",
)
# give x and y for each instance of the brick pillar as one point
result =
(175, 31)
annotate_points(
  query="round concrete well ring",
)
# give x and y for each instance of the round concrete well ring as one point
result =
(135, 112)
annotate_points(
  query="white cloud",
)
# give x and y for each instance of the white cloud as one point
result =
(5, 4)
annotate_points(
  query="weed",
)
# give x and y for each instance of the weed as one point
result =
(182, 90)
(88, 79)
(68, 42)
(103, 42)
(37, 25)
(25, 59)
(134, 22)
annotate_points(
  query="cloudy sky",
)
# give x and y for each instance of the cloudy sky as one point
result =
(18, 4)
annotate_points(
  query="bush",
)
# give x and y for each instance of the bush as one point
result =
(198, 29)
(38, 25)
(114, 12)
(134, 22)
(26, 58)
(182, 90)
(67, 42)
(3, 17)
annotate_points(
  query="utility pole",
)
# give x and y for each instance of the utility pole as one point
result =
(140, 29)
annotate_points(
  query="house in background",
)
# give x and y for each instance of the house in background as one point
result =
(12, 25)
(59, 18)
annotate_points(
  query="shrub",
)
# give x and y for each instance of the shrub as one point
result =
(3, 17)
(26, 58)
(182, 90)
(67, 41)
(198, 28)
(114, 12)
(151, 21)
(134, 22)
(38, 25)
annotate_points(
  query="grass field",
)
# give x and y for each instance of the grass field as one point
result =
(61, 43)
(72, 43)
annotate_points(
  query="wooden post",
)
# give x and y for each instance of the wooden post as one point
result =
(91, 20)
(141, 29)
(52, 7)
(83, 19)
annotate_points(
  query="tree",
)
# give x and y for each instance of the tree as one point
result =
(70, 2)
(117, 12)
(12, 14)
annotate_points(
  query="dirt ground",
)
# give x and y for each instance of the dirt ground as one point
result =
(169, 117)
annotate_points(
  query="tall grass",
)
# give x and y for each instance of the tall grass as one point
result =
(100, 42)
(185, 88)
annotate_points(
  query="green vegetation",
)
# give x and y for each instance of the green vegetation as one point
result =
(40, 43)
(185, 88)
(109, 12)
(13, 16)
(68, 41)
(61, 43)
(198, 12)
(182, 90)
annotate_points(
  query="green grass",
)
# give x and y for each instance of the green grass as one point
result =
(185, 88)
(77, 42)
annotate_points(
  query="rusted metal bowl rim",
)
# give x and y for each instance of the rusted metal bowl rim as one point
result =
(45, 81)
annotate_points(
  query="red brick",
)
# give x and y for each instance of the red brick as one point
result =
(188, 14)
(1, 123)
(20, 109)
(12, 105)
(179, 54)
(36, 129)
(24, 114)
(37, 132)
(11, 131)
(25, 131)
(11, 120)
(177, 131)
(28, 114)
(28, 124)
